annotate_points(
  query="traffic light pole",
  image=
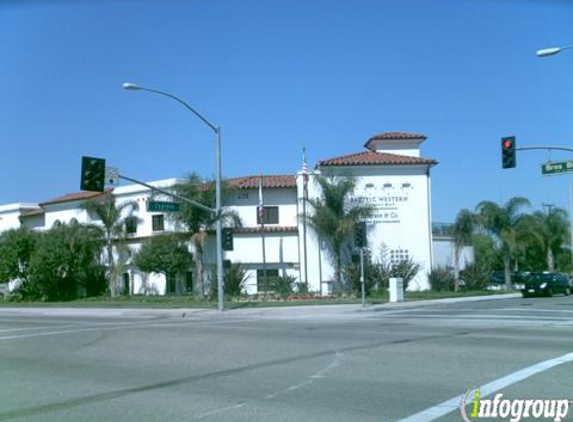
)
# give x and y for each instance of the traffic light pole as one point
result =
(171, 194)
(560, 148)
(549, 147)
(362, 277)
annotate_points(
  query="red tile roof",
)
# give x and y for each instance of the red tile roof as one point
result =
(32, 213)
(77, 196)
(398, 135)
(393, 136)
(269, 181)
(371, 158)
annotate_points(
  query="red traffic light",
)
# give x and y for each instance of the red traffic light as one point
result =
(508, 152)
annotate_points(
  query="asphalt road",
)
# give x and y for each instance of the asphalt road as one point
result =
(319, 364)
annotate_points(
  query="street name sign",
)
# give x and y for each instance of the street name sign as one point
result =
(163, 206)
(549, 169)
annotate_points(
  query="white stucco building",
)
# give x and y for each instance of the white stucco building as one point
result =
(390, 175)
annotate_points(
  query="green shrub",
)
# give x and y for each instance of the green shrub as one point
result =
(236, 278)
(283, 286)
(301, 288)
(371, 277)
(441, 279)
(406, 270)
(475, 276)
(65, 264)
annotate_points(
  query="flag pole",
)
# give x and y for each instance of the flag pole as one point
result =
(305, 199)
(261, 216)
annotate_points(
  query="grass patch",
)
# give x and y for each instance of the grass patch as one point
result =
(186, 302)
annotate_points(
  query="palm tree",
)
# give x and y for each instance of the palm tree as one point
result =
(113, 218)
(198, 221)
(333, 220)
(501, 222)
(553, 231)
(463, 229)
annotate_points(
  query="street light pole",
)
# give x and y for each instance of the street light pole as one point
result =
(219, 223)
(218, 177)
(545, 53)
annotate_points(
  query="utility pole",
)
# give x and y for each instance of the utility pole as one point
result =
(548, 207)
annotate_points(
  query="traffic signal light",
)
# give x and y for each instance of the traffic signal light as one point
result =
(508, 152)
(93, 174)
(360, 236)
(227, 239)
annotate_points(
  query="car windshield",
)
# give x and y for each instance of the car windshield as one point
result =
(542, 277)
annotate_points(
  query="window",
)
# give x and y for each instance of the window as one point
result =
(189, 282)
(131, 225)
(270, 215)
(170, 284)
(399, 255)
(272, 276)
(157, 223)
(126, 284)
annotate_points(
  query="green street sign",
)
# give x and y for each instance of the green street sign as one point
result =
(549, 169)
(163, 206)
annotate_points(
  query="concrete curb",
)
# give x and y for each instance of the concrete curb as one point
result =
(445, 301)
(271, 312)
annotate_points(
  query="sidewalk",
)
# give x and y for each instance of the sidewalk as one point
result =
(299, 311)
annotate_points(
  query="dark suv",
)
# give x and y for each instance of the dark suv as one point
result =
(546, 284)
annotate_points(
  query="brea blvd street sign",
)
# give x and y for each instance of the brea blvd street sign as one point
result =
(549, 169)
(163, 206)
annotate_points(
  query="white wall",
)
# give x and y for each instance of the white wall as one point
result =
(245, 202)
(10, 213)
(400, 195)
(444, 253)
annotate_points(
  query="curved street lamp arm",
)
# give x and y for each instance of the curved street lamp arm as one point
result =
(184, 104)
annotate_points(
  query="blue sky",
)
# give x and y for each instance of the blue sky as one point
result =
(279, 75)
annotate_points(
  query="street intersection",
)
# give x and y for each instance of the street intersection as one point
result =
(328, 363)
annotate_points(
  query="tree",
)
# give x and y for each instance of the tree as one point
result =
(113, 218)
(166, 254)
(462, 231)
(501, 222)
(65, 263)
(553, 231)
(333, 219)
(198, 221)
(16, 249)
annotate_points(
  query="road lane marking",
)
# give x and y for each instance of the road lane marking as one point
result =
(536, 310)
(119, 326)
(322, 373)
(46, 327)
(453, 404)
(220, 410)
(488, 316)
